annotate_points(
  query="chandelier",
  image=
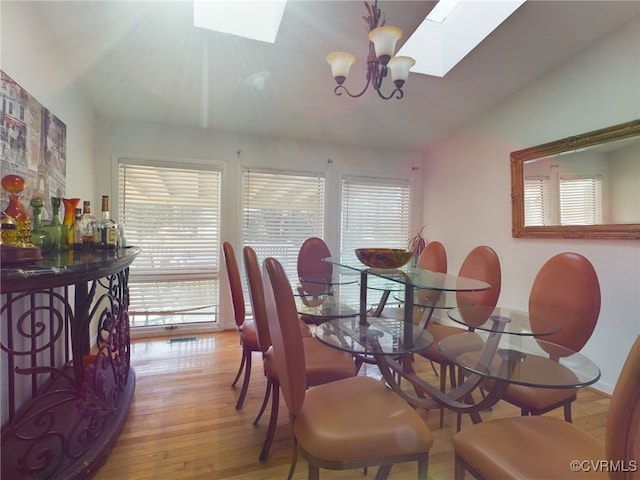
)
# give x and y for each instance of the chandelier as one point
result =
(380, 61)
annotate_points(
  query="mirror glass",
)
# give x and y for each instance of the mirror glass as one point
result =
(587, 186)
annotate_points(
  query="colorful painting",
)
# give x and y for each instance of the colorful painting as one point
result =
(33, 144)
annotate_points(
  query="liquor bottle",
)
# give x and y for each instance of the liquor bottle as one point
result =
(77, 230)
(87, 225)
(105, 234)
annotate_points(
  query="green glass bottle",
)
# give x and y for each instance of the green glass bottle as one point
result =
(39, 236)
(55, 228)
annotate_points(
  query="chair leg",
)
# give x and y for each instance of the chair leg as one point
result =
(265, 400)
(247, 374)
(294, 459)
(235, 380)
(452, 375)
(443, 386)
(383, 472)
(423, 467)
(433, 367)
(273, 422)
(459, 469)
(567, 412)
(314, 472)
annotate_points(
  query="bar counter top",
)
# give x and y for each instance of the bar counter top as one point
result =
(65, 268)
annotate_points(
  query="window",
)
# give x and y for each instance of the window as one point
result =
(172, 212)
(375, 213)
(280, 210)
(581, 200)
(537, 201)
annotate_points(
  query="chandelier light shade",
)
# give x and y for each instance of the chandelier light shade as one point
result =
(382, 46)
(400, 67)
(340, 63)
(384, 41)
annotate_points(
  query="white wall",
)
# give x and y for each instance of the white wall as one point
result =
(26, 56)
(467, 186)
(116, 138)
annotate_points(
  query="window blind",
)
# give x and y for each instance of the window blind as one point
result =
(581, 200)
(172, 212)
(280, 210)
(537, 202)
(375, 213)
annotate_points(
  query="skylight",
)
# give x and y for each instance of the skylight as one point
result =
(256, 19)
(440, 42)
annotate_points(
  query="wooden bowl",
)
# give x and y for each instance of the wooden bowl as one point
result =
(383, 257)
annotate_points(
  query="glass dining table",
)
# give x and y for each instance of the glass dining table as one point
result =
(501, 347)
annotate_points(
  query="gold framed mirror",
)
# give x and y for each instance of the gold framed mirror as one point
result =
(585, 186)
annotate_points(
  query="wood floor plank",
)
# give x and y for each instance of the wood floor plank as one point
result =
(183, 423)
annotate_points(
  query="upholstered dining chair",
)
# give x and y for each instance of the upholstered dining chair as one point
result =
(481, 263)
(545, 447)
(566, 293)
(323, 364)
(355, 422)
(246, 327)
(310, 266)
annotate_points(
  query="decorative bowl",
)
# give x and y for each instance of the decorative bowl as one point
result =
(383, 257)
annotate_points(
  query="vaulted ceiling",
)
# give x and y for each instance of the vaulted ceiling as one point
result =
(145, 60)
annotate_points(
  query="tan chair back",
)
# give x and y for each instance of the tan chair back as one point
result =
(622, 438)
(310, 265)
(256, 293)
(235, 283)
(433, 258)
(566, 292)
(285, 333)
(481, 263)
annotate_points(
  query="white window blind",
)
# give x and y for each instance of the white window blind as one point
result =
(375, 213)
(537, 201)
(581, 200)
(172, 212)
(280, 210)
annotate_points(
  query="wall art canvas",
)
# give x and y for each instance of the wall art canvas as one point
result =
(33, 144)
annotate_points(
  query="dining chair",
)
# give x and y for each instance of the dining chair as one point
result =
(481, 263)
(351, 423)
(323, 364)
(547, 447)
(246, 327)
(310, 265)
(565, 293)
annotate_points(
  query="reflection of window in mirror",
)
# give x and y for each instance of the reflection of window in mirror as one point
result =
(579, 200)
(591, 186)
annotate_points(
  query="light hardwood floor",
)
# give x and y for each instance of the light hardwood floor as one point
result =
(183, 424)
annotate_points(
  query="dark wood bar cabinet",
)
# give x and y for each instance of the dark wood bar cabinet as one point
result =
(65, 374)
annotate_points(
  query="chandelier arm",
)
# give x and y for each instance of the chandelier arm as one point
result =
(397, 92)
(341, 88)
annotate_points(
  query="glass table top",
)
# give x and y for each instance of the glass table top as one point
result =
(490, 319)
(378, 336)
(523, 360)
(323, 306)
(416, 277)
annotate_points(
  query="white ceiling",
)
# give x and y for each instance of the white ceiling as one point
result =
(145, 60)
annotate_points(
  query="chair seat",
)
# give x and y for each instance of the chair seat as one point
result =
(527, 447)
(305, 331)
(323, 364)
(538, 398)
(439, 331)
(249, 335)
(359, 417)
